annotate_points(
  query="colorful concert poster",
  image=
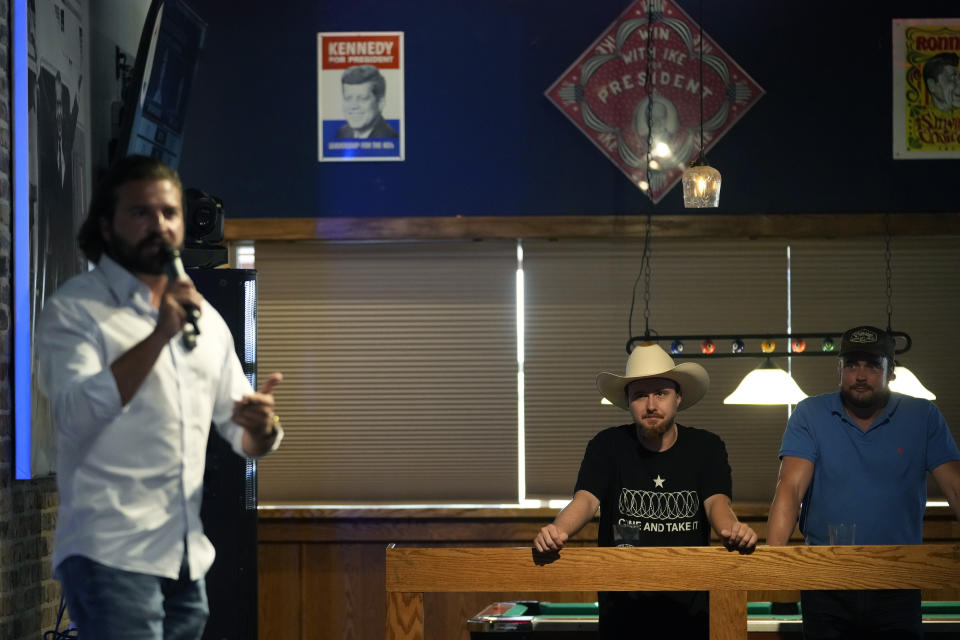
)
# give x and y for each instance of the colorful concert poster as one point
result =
(360, 96)
(635, 93)
(926, 88)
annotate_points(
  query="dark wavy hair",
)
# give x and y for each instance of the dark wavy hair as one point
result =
(366, 73)
(104, 202)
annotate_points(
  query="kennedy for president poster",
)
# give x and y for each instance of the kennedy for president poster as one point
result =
(360, 96)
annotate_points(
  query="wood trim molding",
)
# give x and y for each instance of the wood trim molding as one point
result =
(517, 526)
(814, 225)
(745, 510)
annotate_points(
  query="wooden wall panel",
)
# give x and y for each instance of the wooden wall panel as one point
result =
(279, 591)
(343, 590)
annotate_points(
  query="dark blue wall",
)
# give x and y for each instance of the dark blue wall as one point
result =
(483, 140)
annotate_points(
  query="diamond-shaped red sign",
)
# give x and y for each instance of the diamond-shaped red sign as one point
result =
(653, 55)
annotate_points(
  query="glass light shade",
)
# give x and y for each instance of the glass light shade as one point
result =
(908, 384)
(701, 187)
(767, 384)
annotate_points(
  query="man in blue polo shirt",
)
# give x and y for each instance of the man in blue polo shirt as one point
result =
(860, 456)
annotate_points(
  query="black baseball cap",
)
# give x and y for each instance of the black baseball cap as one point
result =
(870, 340)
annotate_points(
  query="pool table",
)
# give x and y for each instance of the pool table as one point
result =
(534, 620)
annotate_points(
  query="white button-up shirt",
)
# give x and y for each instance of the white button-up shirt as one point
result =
(131, 477)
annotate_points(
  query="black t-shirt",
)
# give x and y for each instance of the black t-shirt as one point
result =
(654, 499)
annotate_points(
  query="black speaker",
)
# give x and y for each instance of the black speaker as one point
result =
(229, 511)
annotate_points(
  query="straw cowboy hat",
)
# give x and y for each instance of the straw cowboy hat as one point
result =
(650, 361)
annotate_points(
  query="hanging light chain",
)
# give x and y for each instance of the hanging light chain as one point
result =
(643, 272)
(889, 271)
(645, 266)
(646, 90)
(703, 153)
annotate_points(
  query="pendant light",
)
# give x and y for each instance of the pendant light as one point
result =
(767, 384)
(701, 182)
(908, 384)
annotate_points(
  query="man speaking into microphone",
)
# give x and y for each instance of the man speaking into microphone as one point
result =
(132, 407)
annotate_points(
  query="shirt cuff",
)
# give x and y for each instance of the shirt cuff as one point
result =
(233, 433)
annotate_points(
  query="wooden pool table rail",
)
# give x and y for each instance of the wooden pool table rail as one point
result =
(727, 576)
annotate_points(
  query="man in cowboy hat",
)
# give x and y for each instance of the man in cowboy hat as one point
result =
(861, 456)
(656, 483)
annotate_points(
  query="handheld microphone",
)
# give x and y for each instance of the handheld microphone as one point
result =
(175, 271)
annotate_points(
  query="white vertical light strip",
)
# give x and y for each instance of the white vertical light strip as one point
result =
(521, 417)
(244, 256)
(789, 325)
(250, 324)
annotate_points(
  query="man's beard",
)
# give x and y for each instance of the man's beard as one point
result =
(654, 432)
(878, 398)
(136, 258)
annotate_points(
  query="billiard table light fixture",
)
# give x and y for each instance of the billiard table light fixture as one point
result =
(768, 383)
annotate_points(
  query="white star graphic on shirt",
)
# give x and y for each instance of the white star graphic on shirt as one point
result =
(658, 481)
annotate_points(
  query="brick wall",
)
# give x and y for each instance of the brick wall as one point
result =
(28, 595)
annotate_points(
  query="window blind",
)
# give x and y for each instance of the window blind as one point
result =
(401, 364)
(578, 301)
(400, 371)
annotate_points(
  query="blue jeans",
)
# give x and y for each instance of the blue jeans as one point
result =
(112, 604)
